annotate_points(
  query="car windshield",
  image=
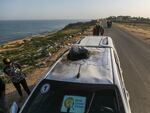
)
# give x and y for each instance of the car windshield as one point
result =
(53, 97)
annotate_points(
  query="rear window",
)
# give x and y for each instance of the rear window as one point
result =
(57, 97)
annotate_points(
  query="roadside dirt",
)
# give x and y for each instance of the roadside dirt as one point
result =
(141, 33)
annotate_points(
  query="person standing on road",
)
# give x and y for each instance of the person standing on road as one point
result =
(14, 71)
(101, 29)
(109, 23)
(97, 29)
(94, 31)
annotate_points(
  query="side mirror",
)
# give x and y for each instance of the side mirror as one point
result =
(14, 108)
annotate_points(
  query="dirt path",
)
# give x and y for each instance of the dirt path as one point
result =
(141, 33)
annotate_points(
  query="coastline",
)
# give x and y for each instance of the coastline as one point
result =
(56, 46)
(36, 44)
(29, 37)
(13, 30)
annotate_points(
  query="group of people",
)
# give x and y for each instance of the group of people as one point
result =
(98, 30)
(14, 72)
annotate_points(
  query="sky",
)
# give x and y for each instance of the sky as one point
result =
(71, 9)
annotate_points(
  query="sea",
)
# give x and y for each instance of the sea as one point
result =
(11, 30)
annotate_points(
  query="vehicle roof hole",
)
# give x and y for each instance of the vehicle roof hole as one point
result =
(78, 75)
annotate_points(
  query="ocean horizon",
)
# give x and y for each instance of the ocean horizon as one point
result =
(11, 30)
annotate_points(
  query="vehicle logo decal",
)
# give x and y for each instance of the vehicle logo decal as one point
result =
(45, 88)
(69, 102)
(73, 104)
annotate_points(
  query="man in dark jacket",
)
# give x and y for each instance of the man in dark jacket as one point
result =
(101, 30)
(14, 71)
(94, 31)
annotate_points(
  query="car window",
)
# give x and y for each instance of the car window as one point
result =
(60, 98)
(104, 102)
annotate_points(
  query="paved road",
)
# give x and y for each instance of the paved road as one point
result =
(135, 62)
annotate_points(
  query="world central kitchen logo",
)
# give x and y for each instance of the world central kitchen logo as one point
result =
(73, 104)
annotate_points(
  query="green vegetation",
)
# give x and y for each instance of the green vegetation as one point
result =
(31, 53)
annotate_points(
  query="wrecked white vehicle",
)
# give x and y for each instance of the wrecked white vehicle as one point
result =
(91, 85)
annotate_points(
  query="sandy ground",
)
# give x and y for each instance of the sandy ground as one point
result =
(143, 34)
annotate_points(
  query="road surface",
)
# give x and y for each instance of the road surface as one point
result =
(134, 56)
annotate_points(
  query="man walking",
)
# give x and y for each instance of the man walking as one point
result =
(13, 70)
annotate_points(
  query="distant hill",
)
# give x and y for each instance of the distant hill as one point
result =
(79, 24)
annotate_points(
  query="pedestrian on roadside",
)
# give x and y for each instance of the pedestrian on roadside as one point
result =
(94, 31)
(97, 29)
(109, 23)
(17, 77)
(101, 29)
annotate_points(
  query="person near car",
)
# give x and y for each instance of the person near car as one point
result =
(109, 23)
(94, 31)
(101, 30)
(97, 29)
(17, 77)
